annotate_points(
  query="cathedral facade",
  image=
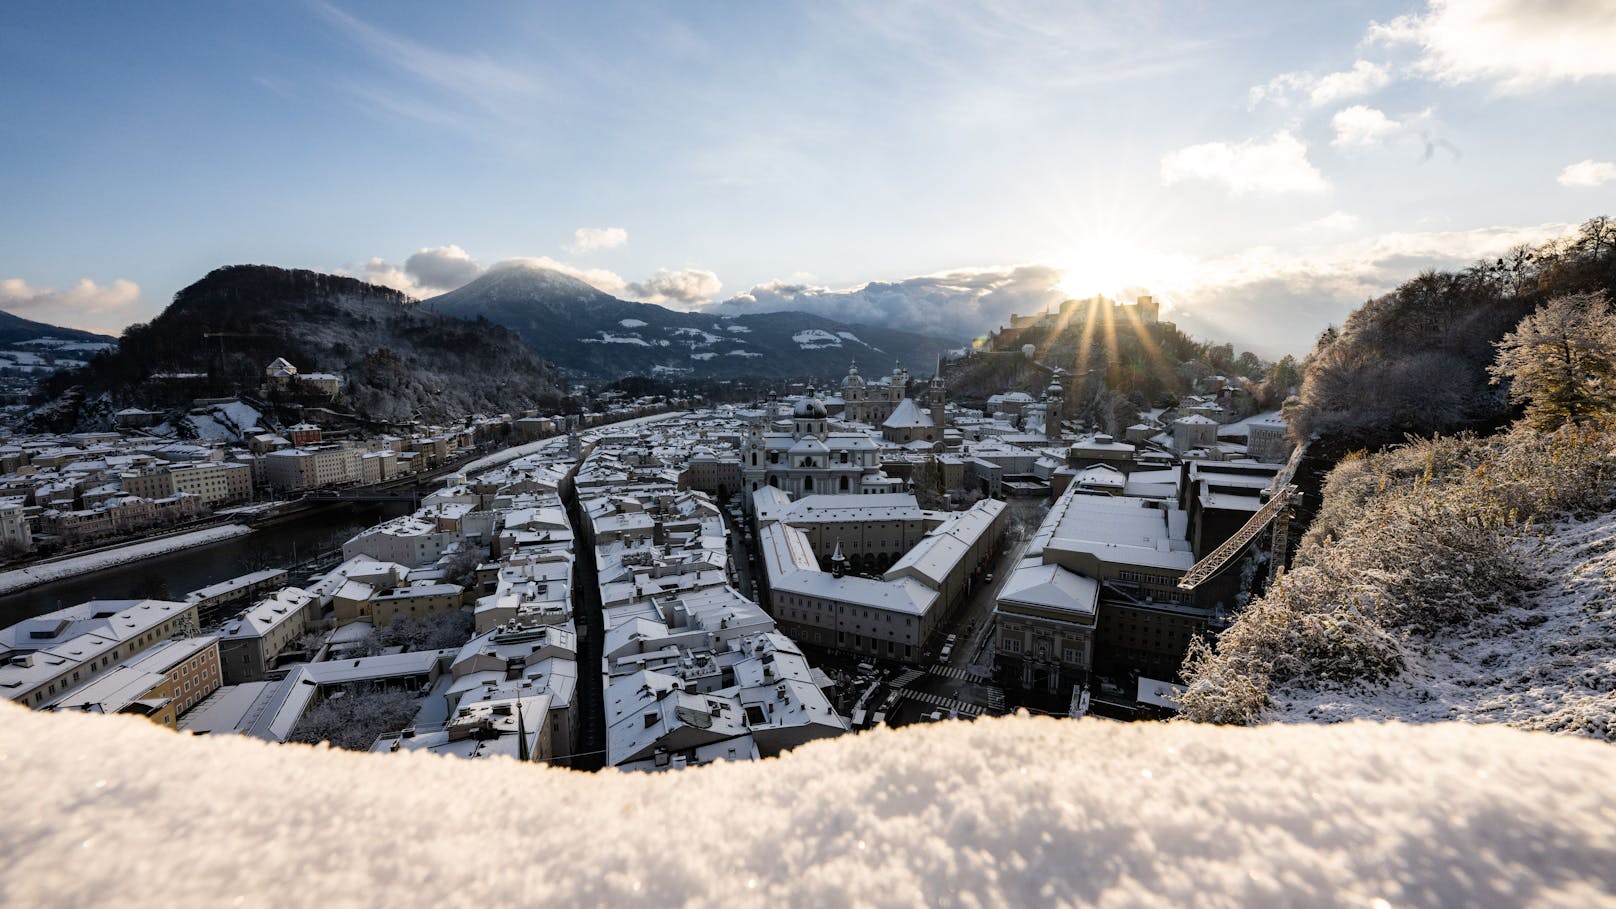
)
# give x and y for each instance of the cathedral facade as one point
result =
(872, 401)
(809, 459)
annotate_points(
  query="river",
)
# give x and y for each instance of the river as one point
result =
(174, 575)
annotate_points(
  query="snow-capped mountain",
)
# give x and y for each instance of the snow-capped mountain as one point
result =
(591, 333)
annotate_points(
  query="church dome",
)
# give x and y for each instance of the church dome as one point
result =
(810, 408)
(853, 380)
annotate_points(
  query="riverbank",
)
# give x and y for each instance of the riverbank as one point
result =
(72, 566)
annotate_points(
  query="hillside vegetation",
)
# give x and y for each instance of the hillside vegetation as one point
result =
(1113, 373)
(397, 361)
(1457, 577)
(1416, 360)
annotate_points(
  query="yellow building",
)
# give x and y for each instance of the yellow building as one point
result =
(160, 683)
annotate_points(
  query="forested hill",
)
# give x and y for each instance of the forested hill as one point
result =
(1114, 370)
(397, 360)
(17, 330)
(1415, 360)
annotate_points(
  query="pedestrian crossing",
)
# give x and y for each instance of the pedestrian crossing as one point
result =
(968, 711)
(906, 679)
(955, 672)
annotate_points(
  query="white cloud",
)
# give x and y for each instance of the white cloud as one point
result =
(436, 270)
(1277, 300)
(428, 271)
(959, 304)
(1337, 220)
(439, 87)
(688, 286)
(442, 267)
(1276, 166)
(589, 239)
(1364, 78)
(1360, 125)
(1519, 44)
(1587, 173)
(83, 303)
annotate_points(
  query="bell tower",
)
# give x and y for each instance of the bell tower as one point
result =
(937, 396)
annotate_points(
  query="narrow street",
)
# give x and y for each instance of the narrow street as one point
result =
(961, 686)
(973, 652)
(586, 613)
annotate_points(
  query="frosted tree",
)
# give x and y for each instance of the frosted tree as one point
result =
(1560, 361)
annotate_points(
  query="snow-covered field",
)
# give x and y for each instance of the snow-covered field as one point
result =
(61, 344)
(631, 323)
(815, 338)
(1546, 662)
(229, 422)
(697, 337)
(607, 337)
(1010, 812)
(21, 578)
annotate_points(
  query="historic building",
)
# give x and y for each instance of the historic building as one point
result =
(909, 423)
(872, 401)
(810, 459)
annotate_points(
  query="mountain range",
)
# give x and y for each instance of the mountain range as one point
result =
(590, 333)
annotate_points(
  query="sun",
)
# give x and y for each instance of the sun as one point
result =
(1105, 268)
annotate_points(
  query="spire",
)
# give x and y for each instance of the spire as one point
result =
(838, 562)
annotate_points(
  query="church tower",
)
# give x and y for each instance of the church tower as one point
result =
(1054, 410)
(938, 397)
(853, 395)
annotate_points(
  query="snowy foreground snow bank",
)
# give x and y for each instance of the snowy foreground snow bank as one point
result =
(1007, 812)
(22, 578)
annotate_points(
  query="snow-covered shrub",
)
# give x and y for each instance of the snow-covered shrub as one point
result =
(1410, 544)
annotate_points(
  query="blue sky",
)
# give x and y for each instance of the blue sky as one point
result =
(1263, 167)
